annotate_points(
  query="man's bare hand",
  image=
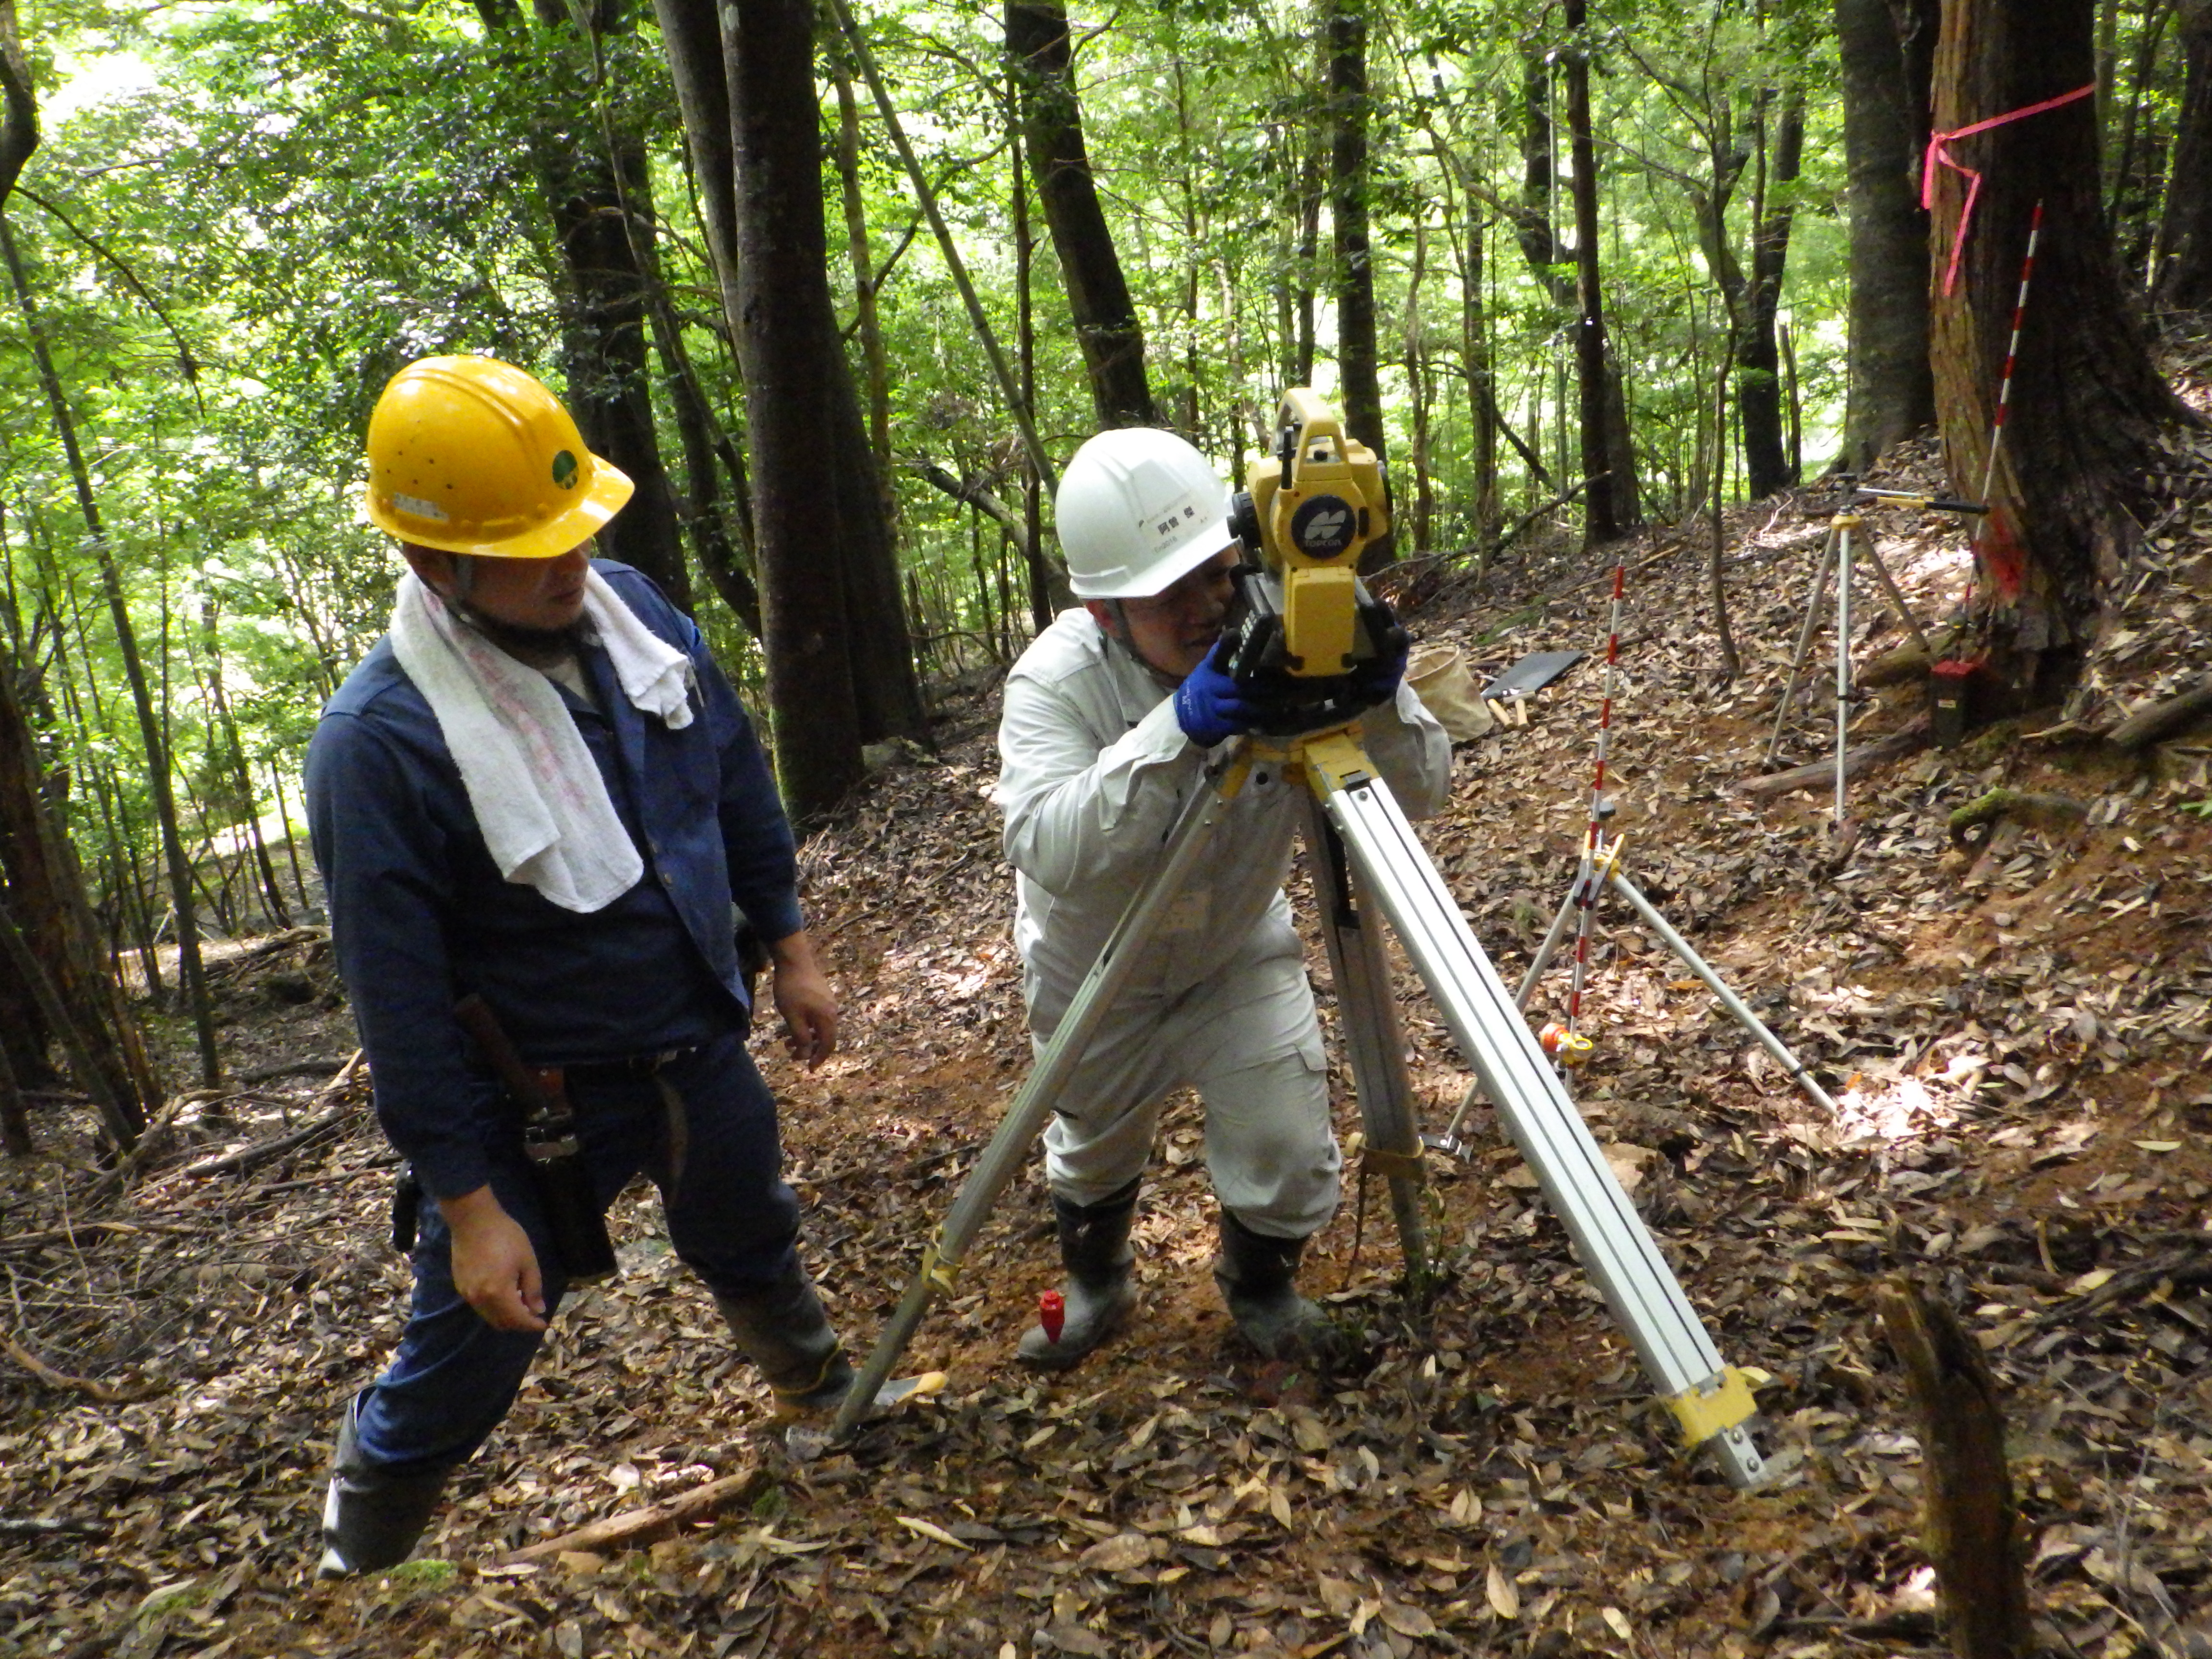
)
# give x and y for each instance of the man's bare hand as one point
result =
(804, 999)
(493, 1266)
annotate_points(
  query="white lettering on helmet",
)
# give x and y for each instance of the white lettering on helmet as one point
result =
(415, 507)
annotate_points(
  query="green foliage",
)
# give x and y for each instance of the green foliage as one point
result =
(244, 217)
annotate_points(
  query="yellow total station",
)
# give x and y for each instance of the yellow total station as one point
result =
(1316, 503)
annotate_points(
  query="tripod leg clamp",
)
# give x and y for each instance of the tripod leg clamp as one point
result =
(1413, 1166)
(942, 1271)
(1714, 1406)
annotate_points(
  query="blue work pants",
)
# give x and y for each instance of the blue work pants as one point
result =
(731, 1218)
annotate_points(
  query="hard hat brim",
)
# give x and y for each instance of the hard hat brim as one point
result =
(603, 495)
(1161, 573)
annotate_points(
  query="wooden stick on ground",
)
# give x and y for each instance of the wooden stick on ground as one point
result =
(248, 1157)
(1855, 761)
(53, 1379)
(1972, 1531)
(638, 1527)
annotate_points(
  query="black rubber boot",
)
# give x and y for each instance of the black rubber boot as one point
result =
(1257, 1275)
(1094, 1248)
(782, 1329)
(371, 1519)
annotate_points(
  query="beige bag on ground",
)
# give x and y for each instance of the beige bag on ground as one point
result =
(1438, 676)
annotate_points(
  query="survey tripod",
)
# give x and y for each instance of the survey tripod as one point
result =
(1837, 553)
(1365, 848)
(1365, 859)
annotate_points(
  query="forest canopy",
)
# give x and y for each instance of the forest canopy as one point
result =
(1581, 268)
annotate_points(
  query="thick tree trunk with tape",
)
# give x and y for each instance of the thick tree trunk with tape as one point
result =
(1972, 1531)
(2087, 402)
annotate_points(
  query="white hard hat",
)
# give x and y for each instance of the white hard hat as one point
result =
(1137, 508)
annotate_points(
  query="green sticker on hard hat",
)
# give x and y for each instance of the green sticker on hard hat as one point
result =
(564, 470)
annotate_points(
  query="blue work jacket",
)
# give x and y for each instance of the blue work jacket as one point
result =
(420, 916)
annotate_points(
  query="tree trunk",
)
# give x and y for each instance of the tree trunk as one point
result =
(865, 322)
(2087, 400)
(2185, 236)
(1758, 356)
(839, 502)
(126, 638)
(1601, 522)
(1033, 562)
(1892, 389)
(1358, 379)
(19, 107)
(600, 195)
(786, 341)
(1106, 325)
(43, 892)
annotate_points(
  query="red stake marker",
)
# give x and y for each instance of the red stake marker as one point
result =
(1052, 1314)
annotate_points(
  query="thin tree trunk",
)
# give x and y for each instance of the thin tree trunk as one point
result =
(1038, 569)
(869, 325)
(1601, 522)
(19, 105)
(597, 182)
(2184, 238)
(1759, 358)
(1717, 564)
(149, 726)
(1106, 325)
(1358, 378)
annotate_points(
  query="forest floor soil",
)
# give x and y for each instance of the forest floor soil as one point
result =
(2015, 1032)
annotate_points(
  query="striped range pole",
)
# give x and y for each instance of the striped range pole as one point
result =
(1588, 882)
(2012, 352)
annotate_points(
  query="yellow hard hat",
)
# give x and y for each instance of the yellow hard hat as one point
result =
(471, 455)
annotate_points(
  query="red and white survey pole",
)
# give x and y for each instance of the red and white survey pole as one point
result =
(2012, 355)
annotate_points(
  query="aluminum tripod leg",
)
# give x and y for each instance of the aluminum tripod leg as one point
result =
(1449, 1142)
(1711, 1401)
(1360, 970)
(1896, 596)
(1813, 603)
(1025, 1115)
(1730, 1001)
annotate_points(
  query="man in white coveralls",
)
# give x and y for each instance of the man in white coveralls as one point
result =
(1110, 717)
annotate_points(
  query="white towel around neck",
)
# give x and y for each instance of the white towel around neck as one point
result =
(537, 795)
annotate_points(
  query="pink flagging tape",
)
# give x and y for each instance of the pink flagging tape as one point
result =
(1939, 154)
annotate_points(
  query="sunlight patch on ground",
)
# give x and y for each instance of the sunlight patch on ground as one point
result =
(1906, 1110)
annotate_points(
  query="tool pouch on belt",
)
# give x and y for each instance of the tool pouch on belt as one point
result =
(406, 1210)
(564, 1185)
(550, 1140)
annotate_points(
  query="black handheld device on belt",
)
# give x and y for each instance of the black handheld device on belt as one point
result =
(550, 1140)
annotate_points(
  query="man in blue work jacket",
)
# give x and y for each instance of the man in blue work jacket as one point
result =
(539, 790)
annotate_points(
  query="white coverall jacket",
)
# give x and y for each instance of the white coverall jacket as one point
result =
(1094, 770)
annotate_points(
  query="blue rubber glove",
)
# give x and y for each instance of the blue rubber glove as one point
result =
(1211, 707)
(1376, 681)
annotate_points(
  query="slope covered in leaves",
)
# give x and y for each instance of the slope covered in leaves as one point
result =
(2015, 1030)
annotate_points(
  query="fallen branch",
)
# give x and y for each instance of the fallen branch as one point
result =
(319, 1068)
(1855, 761)
(102, 1392)
(2146, 726)
(644, 1526)
(2057, 814)
(34, 1526)
(250, 1158)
